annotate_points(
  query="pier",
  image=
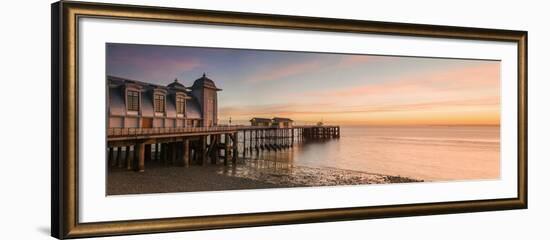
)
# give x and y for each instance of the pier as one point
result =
(130, 148)
(178, 125)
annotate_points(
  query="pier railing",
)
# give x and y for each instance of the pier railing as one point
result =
(203, 143)
(143, 132)
(244, 127)
(118, 132)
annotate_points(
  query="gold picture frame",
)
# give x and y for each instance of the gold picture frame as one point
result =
(65, 127)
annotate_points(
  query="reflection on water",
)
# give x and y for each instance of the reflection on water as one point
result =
(427, 153)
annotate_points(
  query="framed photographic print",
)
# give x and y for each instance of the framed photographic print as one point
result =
(168, 119)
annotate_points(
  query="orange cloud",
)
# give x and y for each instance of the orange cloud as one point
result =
(468, 95)
(481, 76)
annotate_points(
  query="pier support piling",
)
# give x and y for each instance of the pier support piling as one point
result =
(148, 148)
(118, 157)
(235, 148)
(121, 161)
(226, 149)
(185, 153)
(111, 157)
(129, 158)
(164, 152)
(173, 152)
(141, 157)
(203, 150)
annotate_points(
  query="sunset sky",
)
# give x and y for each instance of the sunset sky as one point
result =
(336, 88)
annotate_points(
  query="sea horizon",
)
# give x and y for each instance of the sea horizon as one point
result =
(429, 153)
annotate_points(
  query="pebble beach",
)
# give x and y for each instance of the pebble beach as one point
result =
(251, 175)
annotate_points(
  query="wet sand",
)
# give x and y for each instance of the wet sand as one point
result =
(166, 179)
(250, 175)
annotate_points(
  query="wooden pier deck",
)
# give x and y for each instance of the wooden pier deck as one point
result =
(131, 147)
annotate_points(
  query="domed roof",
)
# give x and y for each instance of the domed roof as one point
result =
(176, 85)
(205, 82)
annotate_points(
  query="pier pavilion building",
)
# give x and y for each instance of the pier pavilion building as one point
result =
(136, 104)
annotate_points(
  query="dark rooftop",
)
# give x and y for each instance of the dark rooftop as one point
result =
(260, 119)
(205, 82)
(278, 119)
(176, 85)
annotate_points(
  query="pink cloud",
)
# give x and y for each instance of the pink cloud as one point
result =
(285, 71)
(351, 60)
(294, 69)
(326, 109)
(147, 70)
(483, 76)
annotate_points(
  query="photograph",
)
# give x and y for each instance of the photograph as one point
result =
(190, 119)
(173, 118)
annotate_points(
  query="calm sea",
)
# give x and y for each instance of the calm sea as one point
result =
(427, 153)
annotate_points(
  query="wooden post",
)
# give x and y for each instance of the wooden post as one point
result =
(122, 161)
(111, 157)
(164, 152)
(178, 153)
(157, 151)
(285, 138)
(257, 138)
(273, 138)
(168, 153)
(244, 143)
(186, 153)
(235, 149)
(226, 149)
(267, 139)
(292, 137)
(278, 138)
(118, 157)
(129, 158)
(193, 154)
(261, 139)
(173, 152)
(250, 141)
(148, 152)
(203, 150)
(318, 133)
(214, 149)
(141, 157)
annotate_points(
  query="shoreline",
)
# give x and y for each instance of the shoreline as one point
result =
(160, 178)
(302, 176)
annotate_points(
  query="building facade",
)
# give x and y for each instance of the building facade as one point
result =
(274, 122)
(282, 122)
(264, 122)
(135, 104)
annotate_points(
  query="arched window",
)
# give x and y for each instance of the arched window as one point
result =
(132, 100)
(180, 104)
(160, 103)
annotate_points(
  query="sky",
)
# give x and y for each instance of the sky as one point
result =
(334, 88)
